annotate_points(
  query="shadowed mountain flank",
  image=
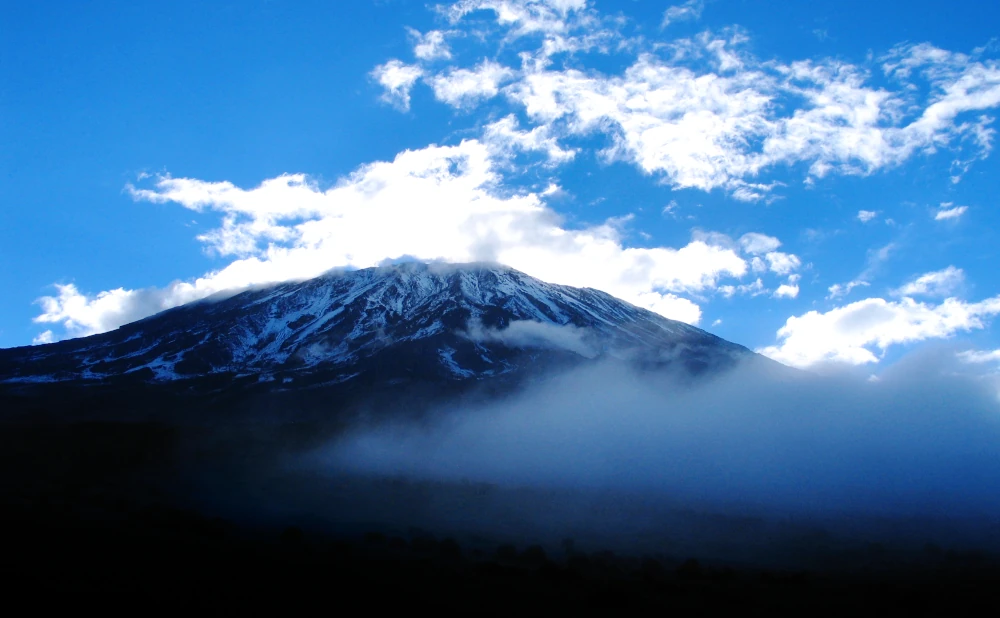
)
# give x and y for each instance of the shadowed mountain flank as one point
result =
(362, 333)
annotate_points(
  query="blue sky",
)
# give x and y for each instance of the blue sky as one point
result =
(817, 182)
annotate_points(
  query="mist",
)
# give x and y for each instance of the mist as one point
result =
(921, 441)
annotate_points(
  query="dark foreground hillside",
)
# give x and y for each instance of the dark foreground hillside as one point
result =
(104, 516)
(158, 558)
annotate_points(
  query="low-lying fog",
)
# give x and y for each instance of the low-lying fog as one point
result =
(923, 442)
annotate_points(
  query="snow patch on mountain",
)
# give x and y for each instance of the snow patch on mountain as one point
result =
(447, 356)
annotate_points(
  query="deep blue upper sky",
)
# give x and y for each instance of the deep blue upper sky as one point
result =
(671, 155)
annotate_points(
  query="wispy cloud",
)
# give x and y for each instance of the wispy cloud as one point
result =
(947, 211)
(704, 113)
(839, 290)
(690, 10)
(397, 79)
(939, 283)
(874, 263)
(979, 356)
(430, 45)
(466, 87)
(505, 137)
(757, 244)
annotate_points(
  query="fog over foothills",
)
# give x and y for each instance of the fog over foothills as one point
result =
(919, 442)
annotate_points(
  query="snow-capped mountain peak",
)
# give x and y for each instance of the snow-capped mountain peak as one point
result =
(404, 321)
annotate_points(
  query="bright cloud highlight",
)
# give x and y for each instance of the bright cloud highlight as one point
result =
(851, 334)
(436, 203)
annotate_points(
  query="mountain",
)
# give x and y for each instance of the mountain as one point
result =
(362, 331)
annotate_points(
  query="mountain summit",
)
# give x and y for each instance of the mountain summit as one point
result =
(407, 320)
(368, 329)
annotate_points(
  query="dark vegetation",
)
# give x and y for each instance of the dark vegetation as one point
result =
(108, 515)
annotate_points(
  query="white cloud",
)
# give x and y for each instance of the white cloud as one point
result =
(531, 334)
(397, 79)
(669, 305)
(786, 291)
(439, 202)
(690, 10)
(958, 85)
(504, 136)
(757, 244)
(865, 216)
(703, 113)
(840, 125)
(523, 16)
(464, 87)
(81, 314)
(851, 334)
(945, 213)
(752, 191)
(778, 262)
(874, 261)
(782, 263)
(979, 356)
(754, 288)
(938, 283)
(43, 338)
(561, 25)
(838, 290)
(665, 119)
(429, 46)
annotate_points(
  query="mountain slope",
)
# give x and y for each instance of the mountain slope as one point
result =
(404, 321)
(402, 337)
